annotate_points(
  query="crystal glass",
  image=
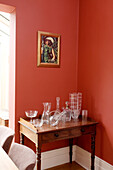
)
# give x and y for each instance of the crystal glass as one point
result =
(58, 104)
(84, 115)
(79, 101)
(57, 111)
(53, 120)
(48, 107)
(31, 114)
(75, 100)
(61, 117)
(67, 111)
(45, 115)
(75, 114)
(36, 122)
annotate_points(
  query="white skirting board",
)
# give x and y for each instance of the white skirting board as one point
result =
(82, 157)
(56, 157)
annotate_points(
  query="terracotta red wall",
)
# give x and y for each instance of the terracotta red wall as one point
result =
(95, 70)
(36, 85)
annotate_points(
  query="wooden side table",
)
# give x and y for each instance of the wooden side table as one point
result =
(46, 134)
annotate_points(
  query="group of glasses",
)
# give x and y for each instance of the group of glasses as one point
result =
(69, 112)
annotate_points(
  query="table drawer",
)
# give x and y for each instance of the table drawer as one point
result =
(66, 134)
(58, 135)
(87, 130)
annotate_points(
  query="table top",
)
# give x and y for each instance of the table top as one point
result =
(47, 128)
(5, 161)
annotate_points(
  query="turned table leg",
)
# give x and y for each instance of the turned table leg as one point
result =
(92, 151)
(38, 152)
(21, 139)
(70, 149)
(38, 158)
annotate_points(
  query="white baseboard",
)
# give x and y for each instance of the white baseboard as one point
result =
(83, 158)
(56, 157)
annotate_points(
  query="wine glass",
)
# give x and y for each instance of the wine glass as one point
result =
(31, 114)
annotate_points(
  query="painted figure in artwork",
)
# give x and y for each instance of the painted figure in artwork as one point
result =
(48, 54)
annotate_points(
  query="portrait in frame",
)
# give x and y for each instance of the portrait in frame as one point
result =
(48, 49)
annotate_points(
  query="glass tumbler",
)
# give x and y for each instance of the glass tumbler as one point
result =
(84, 115)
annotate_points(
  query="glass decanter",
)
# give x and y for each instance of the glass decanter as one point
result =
(57, 111)
(45, 115)
(54, 119)
(67, 111)
(61, 117)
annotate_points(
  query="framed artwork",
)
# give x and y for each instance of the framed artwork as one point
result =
(48, 49)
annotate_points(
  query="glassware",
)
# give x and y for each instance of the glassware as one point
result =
(36, 122)
(75, 114)
(54, 121)
(63, 118)
(31, 114)
(49, 108)
(67, 111)
(84, 115)
(75, 100)
(45, 115)
(79, 101)
(57, 111)
(58, 116)
(58, 104)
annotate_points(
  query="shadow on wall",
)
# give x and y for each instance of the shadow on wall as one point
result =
(104, 145)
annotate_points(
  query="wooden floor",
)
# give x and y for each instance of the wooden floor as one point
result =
(67, 166)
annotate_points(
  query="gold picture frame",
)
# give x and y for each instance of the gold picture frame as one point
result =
(48, 49)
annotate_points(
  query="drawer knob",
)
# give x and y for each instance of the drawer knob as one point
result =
(82, 130)
(56, 135)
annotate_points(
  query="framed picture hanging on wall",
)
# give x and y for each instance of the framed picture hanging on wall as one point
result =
(48, 49)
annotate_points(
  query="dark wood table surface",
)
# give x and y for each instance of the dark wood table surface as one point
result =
(46, 134)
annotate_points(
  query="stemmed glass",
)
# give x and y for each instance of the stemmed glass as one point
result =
(31, 114)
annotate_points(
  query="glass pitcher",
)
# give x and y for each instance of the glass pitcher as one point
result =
(45, 115)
